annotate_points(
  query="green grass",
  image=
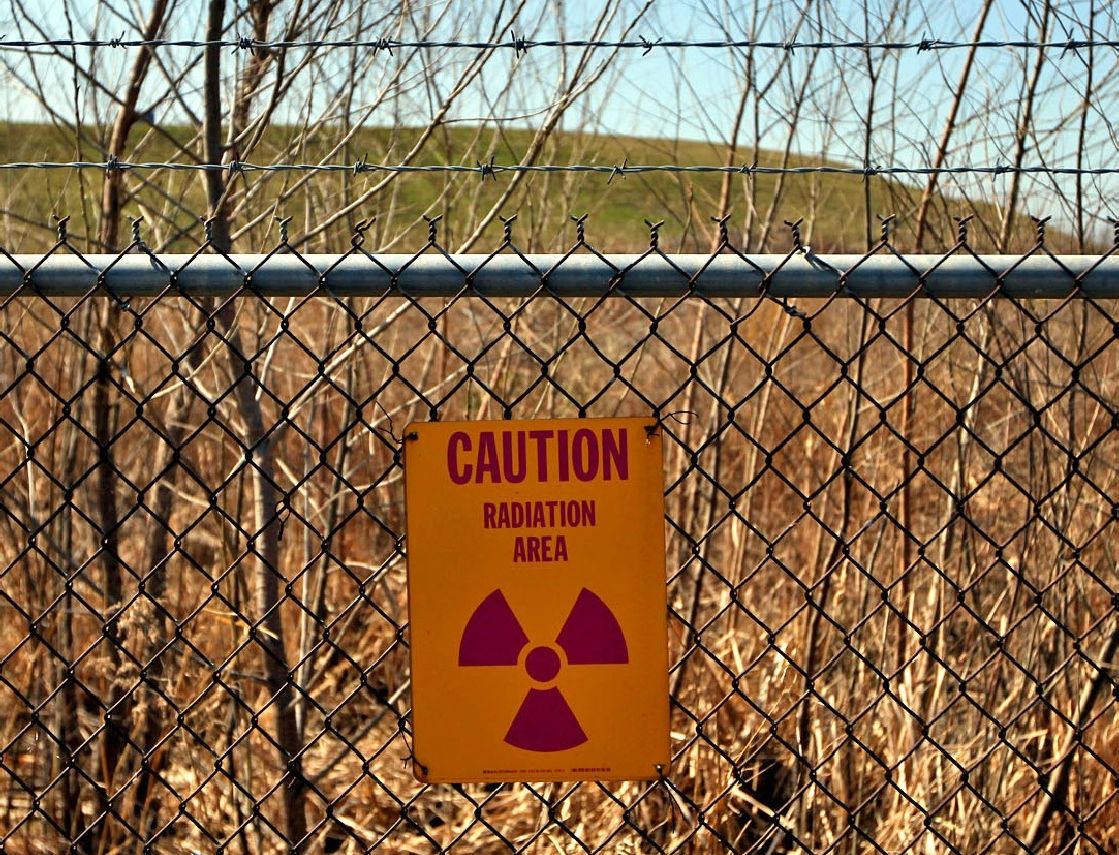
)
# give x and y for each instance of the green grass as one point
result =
(172, 203)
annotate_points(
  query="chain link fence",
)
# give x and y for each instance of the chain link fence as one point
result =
(891, 513)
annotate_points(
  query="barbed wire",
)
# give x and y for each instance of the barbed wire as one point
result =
(492, 170)
(520, 44)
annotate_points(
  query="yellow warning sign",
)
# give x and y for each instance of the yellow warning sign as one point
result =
(537, 602)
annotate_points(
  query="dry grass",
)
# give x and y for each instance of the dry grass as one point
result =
(828, 680)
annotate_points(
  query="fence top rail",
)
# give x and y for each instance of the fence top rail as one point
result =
(509, 274)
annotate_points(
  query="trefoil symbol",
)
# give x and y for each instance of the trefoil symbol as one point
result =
(591, 635)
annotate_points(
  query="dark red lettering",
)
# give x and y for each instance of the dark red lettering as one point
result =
(615, 454)
(541, 437)
(584, 455)
(487, 468)
(458, 475)
(564, 452)
(587, 507)
(515, 466)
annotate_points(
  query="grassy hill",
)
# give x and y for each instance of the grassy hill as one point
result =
(833, 207)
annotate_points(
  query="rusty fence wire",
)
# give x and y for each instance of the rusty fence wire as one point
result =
(892, 505)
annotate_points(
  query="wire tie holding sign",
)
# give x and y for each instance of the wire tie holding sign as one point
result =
(390, 430)
(675, 415)
(411, 757)
(674, 798)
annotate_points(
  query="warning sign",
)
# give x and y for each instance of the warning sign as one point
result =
(537, 600)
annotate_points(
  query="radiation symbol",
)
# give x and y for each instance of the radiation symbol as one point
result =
(590, 636)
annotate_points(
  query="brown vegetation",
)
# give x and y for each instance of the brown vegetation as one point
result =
(818, 672)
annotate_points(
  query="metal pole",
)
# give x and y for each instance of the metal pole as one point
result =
(435, 275)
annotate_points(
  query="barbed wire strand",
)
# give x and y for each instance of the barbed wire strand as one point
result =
(490, 170)
(521, 44)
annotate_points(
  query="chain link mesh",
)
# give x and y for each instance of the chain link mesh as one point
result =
(891, 565)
